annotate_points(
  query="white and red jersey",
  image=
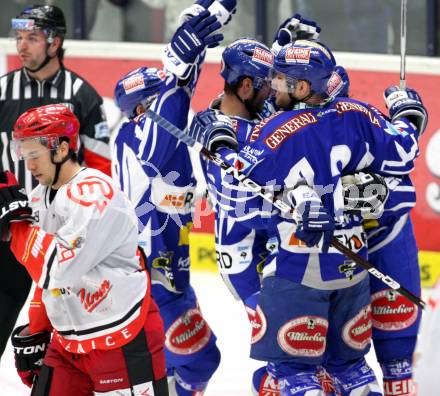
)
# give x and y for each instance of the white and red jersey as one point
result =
(82, 251)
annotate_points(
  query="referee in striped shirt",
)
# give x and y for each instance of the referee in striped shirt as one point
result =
(43, 79)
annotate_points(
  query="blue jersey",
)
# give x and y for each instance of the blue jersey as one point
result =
(316, 146)
(240, 249)
(153, 168)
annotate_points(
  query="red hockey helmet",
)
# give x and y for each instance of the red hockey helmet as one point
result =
(47, 124)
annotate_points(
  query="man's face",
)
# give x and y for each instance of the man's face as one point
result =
(262, 95)
(31, 47)
(38, 161)
(285, 91)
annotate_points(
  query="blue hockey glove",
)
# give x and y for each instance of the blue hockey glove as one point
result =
(193, 36)
(295, 28)
(406, 103)
(213, 130)
(189, 41)
(314, 222)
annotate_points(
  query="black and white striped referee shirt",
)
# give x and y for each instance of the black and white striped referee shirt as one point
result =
(20, 92)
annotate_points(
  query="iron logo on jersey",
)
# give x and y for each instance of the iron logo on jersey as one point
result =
(260, 55)
(92, 190)
(298, 55)
(347, 268)
(303, 336)
(357, 332)
(392, 311)
(188, 334)
(163, 262)
(258, 323)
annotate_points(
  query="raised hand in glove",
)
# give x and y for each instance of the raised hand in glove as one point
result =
(222, 9)
(14, 204)
(189, 41)
(29, 351)
(213, 130)
(295, 28)
(314, 222)
(406, 103)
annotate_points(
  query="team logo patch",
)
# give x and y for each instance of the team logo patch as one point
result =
(392, 311)
(133, 83)
(188, 334)
(298, 55)
(262, 56)
(334, 83)
(356, 333)
(92, 190)
(304, 336)
(258, 323)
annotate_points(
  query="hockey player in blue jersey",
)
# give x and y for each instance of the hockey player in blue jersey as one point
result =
(392, 248)
(240, 249)
(154, 169)
(314, 301)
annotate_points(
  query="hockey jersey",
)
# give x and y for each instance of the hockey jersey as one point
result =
(401, 199)
(82, 251)
(240, 249)
(316, 146)
(154, 169)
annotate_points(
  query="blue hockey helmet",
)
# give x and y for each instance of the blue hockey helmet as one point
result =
(140, 86)
(247, 57)
(306, 60)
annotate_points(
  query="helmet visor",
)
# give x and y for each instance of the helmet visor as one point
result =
(24, 149)
(283, 83)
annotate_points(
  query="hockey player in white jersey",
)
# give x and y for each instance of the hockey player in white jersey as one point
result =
(93, 290)
(155, 170)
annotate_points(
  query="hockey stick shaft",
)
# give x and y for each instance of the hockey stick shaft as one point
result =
(403, 44)
(278, 203)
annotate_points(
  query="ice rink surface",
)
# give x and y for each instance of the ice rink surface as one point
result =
(226, 317)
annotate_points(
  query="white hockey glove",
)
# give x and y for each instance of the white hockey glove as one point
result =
(295, 28)
(365, 194)
(222, 9)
